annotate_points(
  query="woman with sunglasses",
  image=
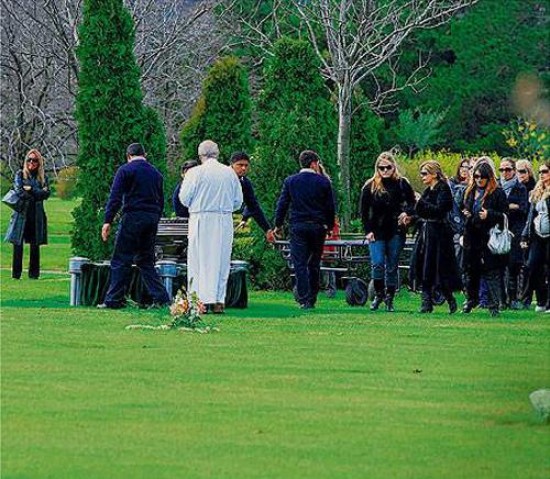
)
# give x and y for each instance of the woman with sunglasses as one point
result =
(518, 206)
(484, 206)
(433, 262)
(525, 173)
(387, 204)
(536, 235)
(29, 225)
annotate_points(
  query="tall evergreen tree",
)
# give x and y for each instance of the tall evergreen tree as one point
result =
(294, 114)
(110, 115)
(223, 113)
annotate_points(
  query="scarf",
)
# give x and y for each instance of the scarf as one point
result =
(507, 185)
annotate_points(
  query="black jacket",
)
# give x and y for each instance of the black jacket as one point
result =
(379, 212)
(476, 231)
(309, 197)
(252, 208)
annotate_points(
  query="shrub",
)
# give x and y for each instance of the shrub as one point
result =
(223, 113)
(110, 116)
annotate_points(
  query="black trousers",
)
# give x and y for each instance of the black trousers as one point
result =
(135, 242)
(34, 261)
(306, 249)
(537, 271)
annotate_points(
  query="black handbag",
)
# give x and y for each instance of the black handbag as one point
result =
(14, 200)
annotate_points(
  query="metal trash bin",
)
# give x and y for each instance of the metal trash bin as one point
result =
(75, 270)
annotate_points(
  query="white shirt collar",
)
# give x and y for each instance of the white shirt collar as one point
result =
(308, 170)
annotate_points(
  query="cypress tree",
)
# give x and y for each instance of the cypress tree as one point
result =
(294, 114)
(223, 113)
(110, 116)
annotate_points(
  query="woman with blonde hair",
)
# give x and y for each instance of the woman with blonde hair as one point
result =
(536, 236)
(387, 203)
(484, 206)
(30, 224)
(525, 173)
(433, 263)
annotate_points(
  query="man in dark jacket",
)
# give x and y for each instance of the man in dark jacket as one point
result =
(310, 198)
(137, 188)
(240, 162)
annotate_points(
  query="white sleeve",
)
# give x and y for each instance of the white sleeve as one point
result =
(188, 188)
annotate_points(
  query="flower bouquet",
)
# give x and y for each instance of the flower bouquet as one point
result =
(186, 311)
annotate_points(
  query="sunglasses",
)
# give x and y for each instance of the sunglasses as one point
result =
(544, 171)
(506, 169)
(32, 160)
(522, 172)
(385, 168)
(424, 173)
(477, 176)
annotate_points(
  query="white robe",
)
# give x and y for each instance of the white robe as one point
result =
(212, 192)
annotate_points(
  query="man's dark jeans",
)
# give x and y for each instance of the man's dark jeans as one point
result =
(135, 242)
(306, 249)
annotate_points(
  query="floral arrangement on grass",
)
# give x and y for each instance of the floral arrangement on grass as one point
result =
(186, 311)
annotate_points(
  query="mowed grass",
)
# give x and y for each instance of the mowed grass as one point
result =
(277, 393)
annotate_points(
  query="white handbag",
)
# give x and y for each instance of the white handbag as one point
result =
(500, 240)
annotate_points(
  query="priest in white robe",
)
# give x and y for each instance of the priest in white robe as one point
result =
(212, 192)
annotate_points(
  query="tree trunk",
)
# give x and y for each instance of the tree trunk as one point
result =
(344, 138)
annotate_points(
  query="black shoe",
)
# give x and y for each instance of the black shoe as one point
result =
(376, 302)
(468, 306)
(494, 312)
(426, 308)
(389, 305)
(306, 306)
(453, 306)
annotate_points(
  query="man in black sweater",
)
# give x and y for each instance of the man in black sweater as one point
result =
(310, 198)
(240, 162)
(137, 188)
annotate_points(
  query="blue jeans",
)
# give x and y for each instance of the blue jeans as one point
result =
(306, 249)
(384, 256)
(135, 241)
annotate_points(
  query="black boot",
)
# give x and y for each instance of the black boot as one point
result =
(495, 292)
(452, 302)
(427, 304)
(390, 294)
(379, 294)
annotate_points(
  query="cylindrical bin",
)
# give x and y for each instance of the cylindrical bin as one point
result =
(167, 270)
(75, 270)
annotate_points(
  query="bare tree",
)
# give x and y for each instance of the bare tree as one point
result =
(354, 40)
(175, 41)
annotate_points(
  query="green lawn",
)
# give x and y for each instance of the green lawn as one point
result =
(277, 393)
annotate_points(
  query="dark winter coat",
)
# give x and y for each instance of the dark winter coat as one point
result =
(30, 225)
(379, 212)
(476, 231)
(456, 218)
(433, 261)
(516, 219)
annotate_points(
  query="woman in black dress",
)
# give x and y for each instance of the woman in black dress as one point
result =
(484, 206)
(29, 225)
(433, 263)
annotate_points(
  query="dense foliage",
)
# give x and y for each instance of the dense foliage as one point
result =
(476, 60)
(223, 113)
(294, 113)
(110, 116)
